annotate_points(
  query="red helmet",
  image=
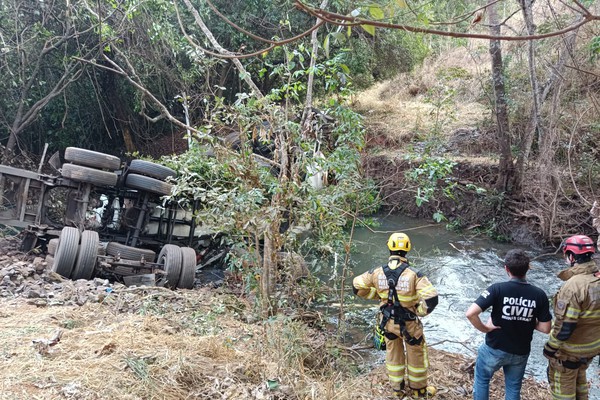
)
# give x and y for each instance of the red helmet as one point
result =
(579, 244)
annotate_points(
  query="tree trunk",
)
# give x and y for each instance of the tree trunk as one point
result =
(119, 110)
(535, 120)
(306, 120)
(554, 83)
(269, 268)
(506, 167)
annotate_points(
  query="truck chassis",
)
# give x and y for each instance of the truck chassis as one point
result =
(99, 215)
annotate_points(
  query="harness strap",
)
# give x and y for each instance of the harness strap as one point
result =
(393, 308)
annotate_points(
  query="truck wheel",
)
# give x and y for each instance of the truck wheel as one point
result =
(86, 257)
(52, 246)
(129, 253)
(91, 158)
(96, 177)
(151, 169)
(148, 184)
(170, 258)
(188, 268)
(66, 252)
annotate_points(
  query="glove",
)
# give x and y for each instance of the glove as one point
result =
(549, 351)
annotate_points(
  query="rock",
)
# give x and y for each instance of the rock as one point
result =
(7, 282)
(38, 261)
(26, 271)
(54, 277)
(101, 282)
(293, 265)
(40, 268)
(81, 300)
(33, 294)
(38, 302)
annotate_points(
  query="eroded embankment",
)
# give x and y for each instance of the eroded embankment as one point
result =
(466, 197)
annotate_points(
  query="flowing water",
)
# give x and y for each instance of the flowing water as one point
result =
(460, 267)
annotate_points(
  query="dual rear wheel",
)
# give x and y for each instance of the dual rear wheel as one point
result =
(75, 253)
(75, 256)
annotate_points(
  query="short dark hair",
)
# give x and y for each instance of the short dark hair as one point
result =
(517, 262)
(582, 258)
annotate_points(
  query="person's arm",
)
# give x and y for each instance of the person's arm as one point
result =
(363, 286)
(473, 315)
(544, 318)
(566, 314)
(543, 327)
(428, 296)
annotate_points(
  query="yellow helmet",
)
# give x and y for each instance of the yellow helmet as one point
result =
(399, 241)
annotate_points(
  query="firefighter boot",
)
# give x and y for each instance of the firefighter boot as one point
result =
(399, 393)
(426, 392)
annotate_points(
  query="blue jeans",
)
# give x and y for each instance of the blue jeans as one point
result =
(490, 360)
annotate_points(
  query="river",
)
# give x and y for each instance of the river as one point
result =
(460, 267)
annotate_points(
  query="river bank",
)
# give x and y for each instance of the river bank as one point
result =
(460, 266)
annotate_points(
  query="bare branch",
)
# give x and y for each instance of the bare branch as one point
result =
(117, 69)
(226, 54)
(584, 10)
(224, 18)
(344, 20)
(243, 73)
(460, 18)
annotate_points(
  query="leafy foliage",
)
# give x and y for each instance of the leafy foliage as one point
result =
(432, 177)
(235, 191)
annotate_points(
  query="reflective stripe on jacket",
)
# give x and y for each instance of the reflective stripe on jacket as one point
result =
(413, 288)
(576, 328)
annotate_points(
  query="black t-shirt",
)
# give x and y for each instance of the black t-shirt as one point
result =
(517, 306)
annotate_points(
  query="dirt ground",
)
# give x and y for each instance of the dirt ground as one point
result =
(153, 344)
(206, 343)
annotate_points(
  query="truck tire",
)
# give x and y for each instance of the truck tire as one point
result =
(86, 257)
(151, 169)
(66, 252)
(170, 260)
(96, 177)
(92, 159)
(129, 253)
(148, 184)
(188, 268)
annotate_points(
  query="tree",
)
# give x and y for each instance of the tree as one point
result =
(38, 40)
(506, 169)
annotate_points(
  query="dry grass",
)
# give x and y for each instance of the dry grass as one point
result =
(157, 344)
(395, 108)
(104, 353)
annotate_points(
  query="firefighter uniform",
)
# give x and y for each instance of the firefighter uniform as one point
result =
(575, 336)
(418, 296)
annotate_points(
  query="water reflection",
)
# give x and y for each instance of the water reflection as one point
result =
(460, 267)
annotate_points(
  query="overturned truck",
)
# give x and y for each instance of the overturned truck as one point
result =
(100, 216)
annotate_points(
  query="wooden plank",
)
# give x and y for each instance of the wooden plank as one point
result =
(24, 200)
(23, 173)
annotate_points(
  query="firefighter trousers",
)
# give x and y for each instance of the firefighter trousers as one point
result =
(567, 383)
(405, 361)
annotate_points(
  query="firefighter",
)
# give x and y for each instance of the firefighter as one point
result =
(575, 336)
(404, 295)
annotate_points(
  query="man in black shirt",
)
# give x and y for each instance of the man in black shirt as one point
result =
(517, 309)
